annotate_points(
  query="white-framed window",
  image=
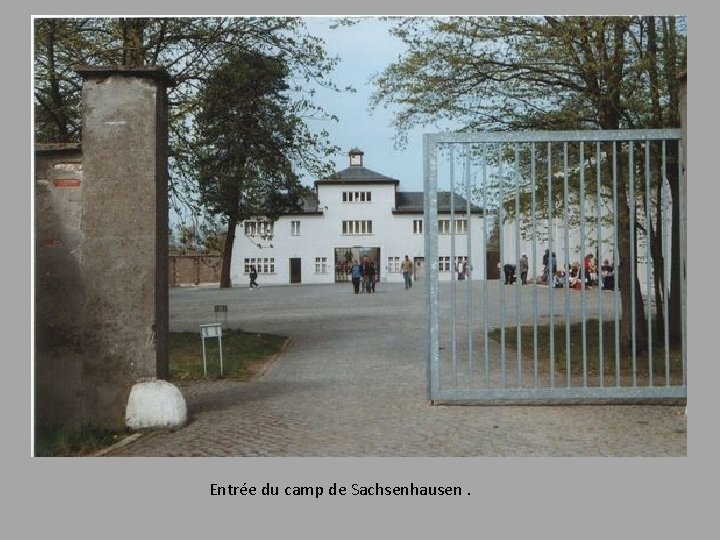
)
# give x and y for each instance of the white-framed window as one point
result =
(459, 260)
(295, 228)
(444, 264)
(357, 196)
(444, 226)
(263, 265)
(393, 264)
(355, 227)
(258, 228)
(321, 265)
(417, 226)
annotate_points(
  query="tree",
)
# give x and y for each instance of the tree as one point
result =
(249, 135)
(519, 73)
(188, 47)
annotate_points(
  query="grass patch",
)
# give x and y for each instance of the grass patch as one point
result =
(244, 354)
(592, 349)
(56, 442)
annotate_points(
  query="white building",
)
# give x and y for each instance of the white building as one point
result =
(357, 212)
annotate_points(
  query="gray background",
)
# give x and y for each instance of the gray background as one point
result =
(545, 497)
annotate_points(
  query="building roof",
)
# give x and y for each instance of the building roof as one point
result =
(412, 202)
(357, 174)
(308, 206)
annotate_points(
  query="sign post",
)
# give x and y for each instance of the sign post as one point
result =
(209, 331)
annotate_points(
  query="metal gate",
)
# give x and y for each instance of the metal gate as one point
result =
(581, 324)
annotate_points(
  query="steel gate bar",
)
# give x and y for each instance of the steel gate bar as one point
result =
(601, 359)
(468, 276)
(666, 276)
(534, 258)
(650, 299)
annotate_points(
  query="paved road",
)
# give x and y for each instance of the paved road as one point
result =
(353, 383)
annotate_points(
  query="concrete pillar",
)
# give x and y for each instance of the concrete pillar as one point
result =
(683, 113)
(124, 248)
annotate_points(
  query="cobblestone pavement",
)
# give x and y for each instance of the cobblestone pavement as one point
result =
(353, 383)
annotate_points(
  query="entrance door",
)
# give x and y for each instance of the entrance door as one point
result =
(345, 256)
(492, 264)
(295, 270)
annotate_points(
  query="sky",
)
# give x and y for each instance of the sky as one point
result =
(365, 49)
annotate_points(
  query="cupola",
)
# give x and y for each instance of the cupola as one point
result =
(356, 157)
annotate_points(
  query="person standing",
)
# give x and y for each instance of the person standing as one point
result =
(509, 270)
(356, 275)
(253, 277)
(546, 266)
(369, 274)
(523, 268)
(460, 270)
(406, 267)
(363, 277)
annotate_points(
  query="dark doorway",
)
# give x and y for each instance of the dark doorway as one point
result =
(345, 256)
(493, 264)
(295, 270)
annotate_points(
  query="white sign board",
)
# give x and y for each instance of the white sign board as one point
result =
(210, 331)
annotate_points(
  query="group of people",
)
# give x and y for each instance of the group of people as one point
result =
(510, 270)
(363, 275)
(605, 278)
(571, 276)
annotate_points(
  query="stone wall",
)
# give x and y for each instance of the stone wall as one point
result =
(59, 294)
(185, 269)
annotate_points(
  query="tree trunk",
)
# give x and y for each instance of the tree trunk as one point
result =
(626, 269)
(676, 275)
(133, 41)
(225, 282)
(56, 105)
(655, 235)
(609, 116)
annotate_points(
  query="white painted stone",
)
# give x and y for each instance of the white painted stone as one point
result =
(155, 403)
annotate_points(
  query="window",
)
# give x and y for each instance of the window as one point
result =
(459, 260)
(393, 264)
(258, 228)
(417, 226)
(444, 226)
(357, 196)
(357, 227)
(321, 265)
(443, 264)
(263, 265)
(295, 228)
